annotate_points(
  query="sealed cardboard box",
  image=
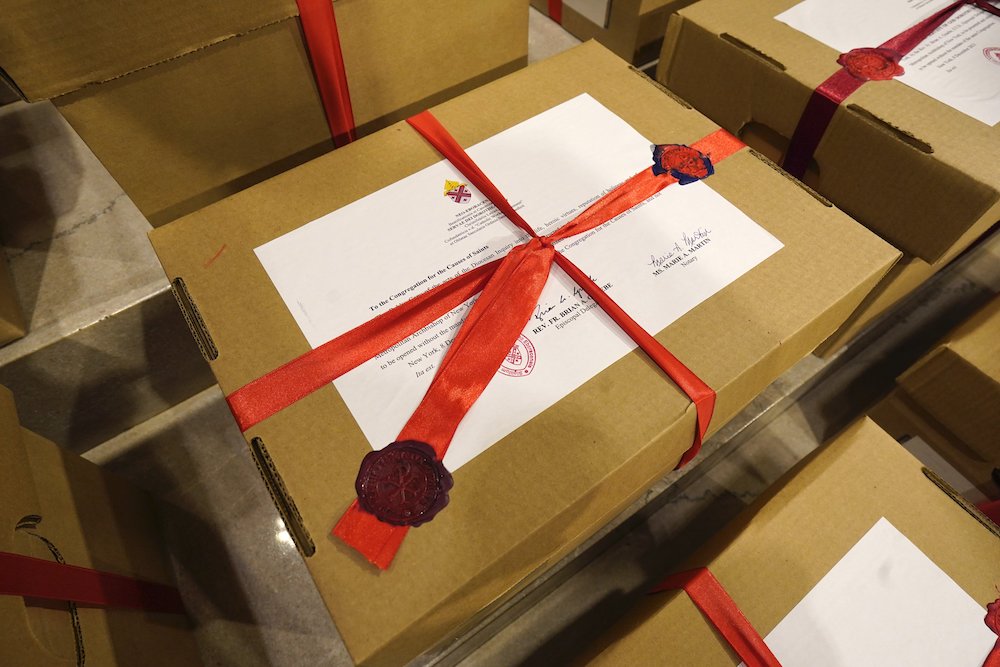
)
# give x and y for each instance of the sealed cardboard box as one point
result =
(741, 275)
(632, 29)
(951, 400)
(58, 508)
(187, 103)
(12, 324)
(912, 161)
(855, 557)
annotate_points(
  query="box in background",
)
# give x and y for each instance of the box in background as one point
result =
(55, 505)
(12, 322)
(780, 548)
(632, 29)
(914, 170)
(951, 400)
(507, 521)
(188, 103)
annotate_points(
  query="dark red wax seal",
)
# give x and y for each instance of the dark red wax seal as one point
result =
(403, 484)
(872, 64)
(684, 163)
(993, 616)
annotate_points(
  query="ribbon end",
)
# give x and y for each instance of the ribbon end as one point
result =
(377, 541)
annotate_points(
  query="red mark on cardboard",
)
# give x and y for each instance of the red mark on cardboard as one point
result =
(215, 256)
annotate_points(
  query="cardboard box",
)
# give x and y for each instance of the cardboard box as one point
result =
(12, 323)
(54, 502)
(632, 29)
(187, 103)
(958, 384)
(507, 521)
(770, 557)
(912, 169)
(951, 399)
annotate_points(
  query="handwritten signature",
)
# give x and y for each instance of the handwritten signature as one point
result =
(696, 235)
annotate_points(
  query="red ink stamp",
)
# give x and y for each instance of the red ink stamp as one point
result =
(520, 361)
(992, 54)
(403, 484)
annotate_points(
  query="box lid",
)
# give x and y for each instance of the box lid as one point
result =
(518, 506)
(51, 48)
(770, 557)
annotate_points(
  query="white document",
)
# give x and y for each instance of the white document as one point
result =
(594, 10)
(884, 604)
(959, 64)
(657, 261)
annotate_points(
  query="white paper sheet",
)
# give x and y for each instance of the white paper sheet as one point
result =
(658, 261)
(959, 64)
(594, 10)
(884, 604)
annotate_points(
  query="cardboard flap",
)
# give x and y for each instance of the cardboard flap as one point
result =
(51, 48)
(17, 490)
(18, 503)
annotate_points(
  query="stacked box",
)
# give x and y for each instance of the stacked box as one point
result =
(12, 323)
(187, 103)
(565, 468)
(950, 399)
(851, 559)
(632, 29)
(917, 171)
(57, 506)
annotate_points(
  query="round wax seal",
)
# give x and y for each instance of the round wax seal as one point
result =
(872, 64)
(403, 484)
(684, 163)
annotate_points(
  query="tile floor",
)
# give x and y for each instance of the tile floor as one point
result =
(248, 590)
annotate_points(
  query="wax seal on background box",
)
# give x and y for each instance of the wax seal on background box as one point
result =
(876, 64)
(403, 484)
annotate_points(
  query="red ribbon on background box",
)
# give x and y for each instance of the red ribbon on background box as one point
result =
(725, 616)
(857, 67)
(323, 43)
(555, 11)
(509, 290)
(31, 577)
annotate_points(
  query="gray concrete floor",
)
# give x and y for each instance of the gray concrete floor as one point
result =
(80, 257)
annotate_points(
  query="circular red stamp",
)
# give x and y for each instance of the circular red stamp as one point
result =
(992, 54)
(872, 64)
(520, 361)
(403, 484)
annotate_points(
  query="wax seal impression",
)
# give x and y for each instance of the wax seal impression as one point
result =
(684, 163)
(520, 361)
(993, 616)
(872, 64)
(403, 484)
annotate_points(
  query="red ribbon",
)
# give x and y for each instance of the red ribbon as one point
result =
(509, 290)
(991, 508)
(555, 11)
(838, 87)
(714, 602)
(36, 578)
(323, 42)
